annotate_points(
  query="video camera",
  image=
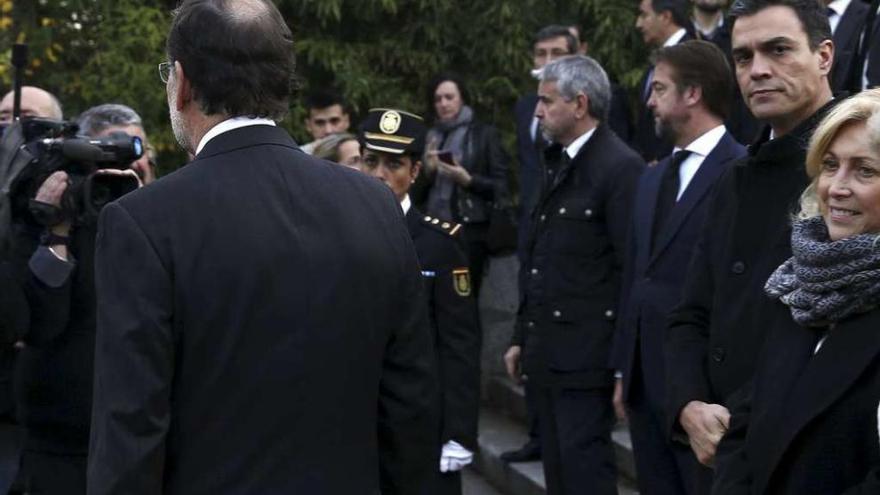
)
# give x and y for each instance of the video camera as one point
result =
(55, 146)
(32, 149)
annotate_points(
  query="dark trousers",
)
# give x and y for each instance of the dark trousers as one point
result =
(443, 484)
(532, 412)
(52, 474)
(11, 442)
(477, 253)
(576, 440)
(663, 467)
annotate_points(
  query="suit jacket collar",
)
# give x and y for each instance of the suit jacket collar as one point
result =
(699, 186)
(245, 137)
(806, 385)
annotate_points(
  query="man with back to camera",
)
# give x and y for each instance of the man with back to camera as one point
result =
(783, 53)
(569, 280)
(326, 114)
(689, 105)
(662, 23)
(260, 317)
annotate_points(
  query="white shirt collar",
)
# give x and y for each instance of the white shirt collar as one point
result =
(839, 6)
(572, 149)
(718, 25)
(228, 125)
(704, 144)
(405, 203)
(675, 38)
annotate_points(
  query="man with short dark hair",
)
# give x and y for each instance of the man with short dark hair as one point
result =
(783, 53)
(326, 114)
(244, 344)
(570, 277)
(689, 105)
(662, 23)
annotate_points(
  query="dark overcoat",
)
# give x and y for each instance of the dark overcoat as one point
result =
(570, 279)
(809, 422)
(716, 332)
(261, 329)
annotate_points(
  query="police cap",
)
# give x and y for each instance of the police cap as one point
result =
(393, 131)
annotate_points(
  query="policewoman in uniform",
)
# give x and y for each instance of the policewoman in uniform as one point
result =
(392, 143)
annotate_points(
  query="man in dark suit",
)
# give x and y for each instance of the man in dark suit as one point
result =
(570, 278)
(662, 23)
(783, 54)
(847, 18)
(688, 103)
(261, 327)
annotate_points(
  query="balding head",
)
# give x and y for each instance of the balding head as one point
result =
(35, 102)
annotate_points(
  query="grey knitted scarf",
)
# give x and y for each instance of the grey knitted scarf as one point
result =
(825, 281)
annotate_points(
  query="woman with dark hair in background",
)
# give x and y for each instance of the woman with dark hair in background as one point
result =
(808, 424)
(466, 171)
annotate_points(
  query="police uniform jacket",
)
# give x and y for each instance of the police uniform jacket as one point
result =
(717, 330)
(260, 330)
(570, 279)
(808, 425)
(452, 311)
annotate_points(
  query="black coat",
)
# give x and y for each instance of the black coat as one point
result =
(452, 311)
(261, 329)
(716, 332)
(570, 279)
(809, 423)
(846, 43)
(653, 278)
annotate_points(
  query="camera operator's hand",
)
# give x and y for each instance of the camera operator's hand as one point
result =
(50, 192)
(144, 169)
(121, 173)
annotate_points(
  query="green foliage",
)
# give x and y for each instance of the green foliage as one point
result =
(376, 52)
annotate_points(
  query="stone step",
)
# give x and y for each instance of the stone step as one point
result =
(499, 433)
(509, 398)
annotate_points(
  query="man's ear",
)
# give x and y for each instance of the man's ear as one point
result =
(825, 51)
(183, 89)
(692, 95)
(583, 106)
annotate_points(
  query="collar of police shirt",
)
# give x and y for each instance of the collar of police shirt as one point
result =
(228, 125)
(675, 38)
(700, 149)
(405, 203)
(838, 7)
(572, 149)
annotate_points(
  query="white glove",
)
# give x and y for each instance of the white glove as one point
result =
(454, 457)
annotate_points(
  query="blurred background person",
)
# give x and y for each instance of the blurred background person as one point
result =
(661, 23)
(326, 113)
(708, 20)
(809, 423)
(342, 148)
(465, 173)
(847, 20)
(35, 102)
(393, 142)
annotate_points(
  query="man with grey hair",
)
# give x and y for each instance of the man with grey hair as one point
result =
(570, 277)
(109, 118)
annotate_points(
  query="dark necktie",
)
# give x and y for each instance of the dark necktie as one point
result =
(668, 193)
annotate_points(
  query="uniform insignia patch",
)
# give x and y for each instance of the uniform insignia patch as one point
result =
(389, 123)
(461, 280)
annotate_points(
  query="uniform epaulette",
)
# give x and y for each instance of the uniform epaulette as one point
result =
(448, 228)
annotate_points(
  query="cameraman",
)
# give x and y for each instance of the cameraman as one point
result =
(55, 367)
